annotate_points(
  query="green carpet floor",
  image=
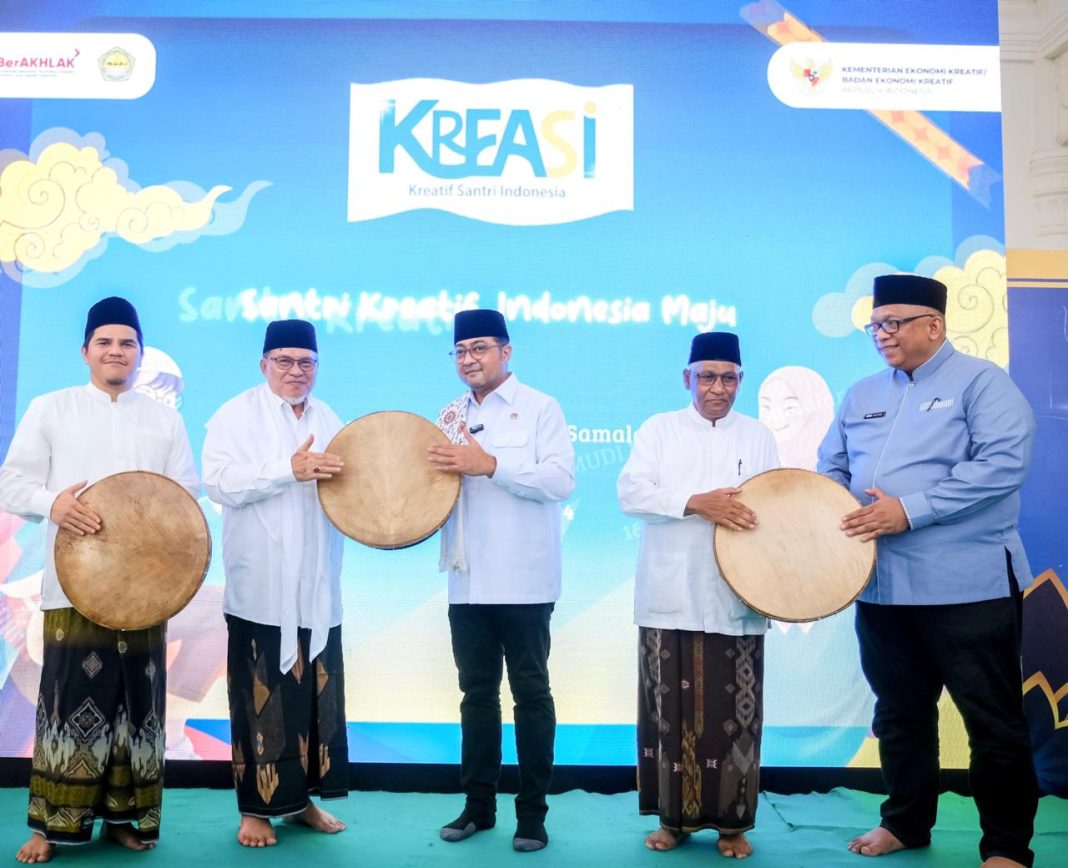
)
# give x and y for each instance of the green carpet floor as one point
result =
(390, 829)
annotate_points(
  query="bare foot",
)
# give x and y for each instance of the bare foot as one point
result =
(123, 833)
(37, 849)
(255, 832)
(1001, 862)
(318, 819)
(665, 839)
(734, 846)
(877, 842)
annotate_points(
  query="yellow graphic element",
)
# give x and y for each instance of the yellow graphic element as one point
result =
(1028, 266)
(932, 143)
(977, 307)
(953, 751)
(548, 130)
(55, 210)
(913, 127)
(324, 760)
(1038, 681)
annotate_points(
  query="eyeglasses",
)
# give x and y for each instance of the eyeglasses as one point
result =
(708, 380)
(890, 326)
(284, 363)
(476, 352)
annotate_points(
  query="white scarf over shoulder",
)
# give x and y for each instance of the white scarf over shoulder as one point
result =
(251, 430)
(453, 551)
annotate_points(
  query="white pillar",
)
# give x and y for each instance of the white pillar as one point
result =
(1034, 86)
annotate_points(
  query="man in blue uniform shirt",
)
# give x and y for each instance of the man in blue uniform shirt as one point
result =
(938, 447)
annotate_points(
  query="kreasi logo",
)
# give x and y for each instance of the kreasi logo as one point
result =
(527, 152)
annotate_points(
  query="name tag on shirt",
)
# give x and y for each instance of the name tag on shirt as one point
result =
(878, 415)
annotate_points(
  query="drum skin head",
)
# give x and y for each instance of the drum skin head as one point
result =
(797, 564)
(148, 559)
(389, 495)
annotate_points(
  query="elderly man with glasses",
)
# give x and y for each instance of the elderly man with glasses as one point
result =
(501, 547)
(701, 649)
(937, 448)
(282, 560)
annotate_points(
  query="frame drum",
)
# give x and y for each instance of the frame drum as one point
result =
(797, 564)
(147, 560)
(389, 495)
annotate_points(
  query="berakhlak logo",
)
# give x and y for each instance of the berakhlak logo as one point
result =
(523, 152)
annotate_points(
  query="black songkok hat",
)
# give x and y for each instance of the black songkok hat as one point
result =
(112, 311)
(290, 333)
(909, 289)
(479, 324)
(715, 347)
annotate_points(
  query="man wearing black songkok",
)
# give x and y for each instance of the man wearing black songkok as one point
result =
(937, 446)
(282, 558)
(501, 548)
(99, 741)
(701, 649)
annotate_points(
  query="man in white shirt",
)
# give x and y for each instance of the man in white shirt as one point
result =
(99, 742)
(282, 560)
(501, 547)
(701, 649)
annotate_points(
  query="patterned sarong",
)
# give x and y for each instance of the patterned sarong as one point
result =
(287, 730)
(99, 744)
(700, 717)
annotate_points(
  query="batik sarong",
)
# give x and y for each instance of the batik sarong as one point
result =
(99, 743)
(287, 730)
(700, 716)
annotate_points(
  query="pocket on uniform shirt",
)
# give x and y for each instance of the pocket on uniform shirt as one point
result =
(509, 440)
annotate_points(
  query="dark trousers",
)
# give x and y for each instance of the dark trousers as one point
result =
(484, 637)
(908, 653)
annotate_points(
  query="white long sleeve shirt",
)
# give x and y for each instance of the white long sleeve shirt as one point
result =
(281, 555)
(80, 433)
(511, 523)
(677, 585)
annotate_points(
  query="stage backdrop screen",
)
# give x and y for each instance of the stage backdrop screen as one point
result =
(615, 178)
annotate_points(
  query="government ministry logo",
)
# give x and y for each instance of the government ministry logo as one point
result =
(810, 73)
(527, 152)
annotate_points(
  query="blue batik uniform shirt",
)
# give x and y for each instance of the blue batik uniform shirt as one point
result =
(953, 443)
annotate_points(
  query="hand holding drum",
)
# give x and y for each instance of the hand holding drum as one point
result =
(467, 458)
(71, 514)
(309, 465)
(796, 564)
(722, 508)
(387, 494)
(146, 557)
